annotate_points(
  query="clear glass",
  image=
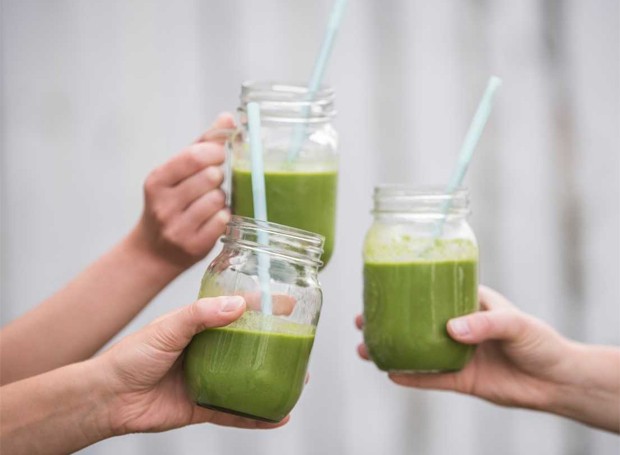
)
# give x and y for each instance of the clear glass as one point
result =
(256, 366)
(300, 158)
(420, 270)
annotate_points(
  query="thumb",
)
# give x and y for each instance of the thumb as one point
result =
(503, 324)
(175, 331)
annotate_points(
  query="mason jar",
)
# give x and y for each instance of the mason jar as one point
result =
(420, 270)
(256, 366)
(300, 158)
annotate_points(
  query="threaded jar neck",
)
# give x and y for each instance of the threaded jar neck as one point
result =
(291, 244)
(430, 202)
(287, 103)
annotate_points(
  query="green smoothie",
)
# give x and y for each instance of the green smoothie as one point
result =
(409, 300)
(255, 367)
(304, 199)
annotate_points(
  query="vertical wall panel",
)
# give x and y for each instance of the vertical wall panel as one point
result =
(94, 94)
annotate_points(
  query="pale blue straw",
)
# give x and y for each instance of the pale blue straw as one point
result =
(317, 75)
(260, 202)
(469, 145)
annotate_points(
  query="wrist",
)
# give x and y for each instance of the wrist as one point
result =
(591, 392)
(570, 384)
(61, 411)
(109, 395)
(156, 264)
(98, 400)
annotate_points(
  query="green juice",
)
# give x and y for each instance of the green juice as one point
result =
(408, 302)
(305, 200)
(255, 367)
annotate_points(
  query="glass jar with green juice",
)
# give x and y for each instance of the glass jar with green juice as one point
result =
(300, 158)
(420, 270)
(256, 366)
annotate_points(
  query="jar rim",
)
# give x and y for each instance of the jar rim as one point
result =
(420, 199)
(284, 92)
(284, 102)
(310, 242)
(413, 191)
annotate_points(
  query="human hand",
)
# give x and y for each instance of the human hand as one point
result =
(184, 208)
(521, 361)
(144, 377)
(517, 362)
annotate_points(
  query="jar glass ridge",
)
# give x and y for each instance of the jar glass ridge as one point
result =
(300, 157)
(256, 366)
(420, 270)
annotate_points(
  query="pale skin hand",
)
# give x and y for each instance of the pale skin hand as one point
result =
(135, 386)
(521, 361)
(184, 208)
(184, 214)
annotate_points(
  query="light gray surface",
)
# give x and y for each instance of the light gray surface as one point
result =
(94, 94)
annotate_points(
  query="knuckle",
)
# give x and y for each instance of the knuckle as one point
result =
(214, 175)
(208, 205)
(530, 331)
(192, 158)
(192, 311)
(197, 249)
(172, 234)
(483, 323)
(505, 324)
(152, 182)
(161, 213)
(166, 338)
(196, 316)
(517, 320)
(216, 152)
(217, 198)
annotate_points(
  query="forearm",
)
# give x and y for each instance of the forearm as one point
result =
(592, 392)
(77, 321)
(57, 412)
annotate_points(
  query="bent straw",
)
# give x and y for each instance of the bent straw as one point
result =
(317, 75)
(260, 201)
(469, 145)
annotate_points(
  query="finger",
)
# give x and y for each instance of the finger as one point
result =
(359, 321)
(173, 333)
(210, 231)
(443, 381)
(491, 299)
(283, 304)
(502, 324)
(202, 209)
(224, 121)
(190, 189)
(193, 159)
(362, 350)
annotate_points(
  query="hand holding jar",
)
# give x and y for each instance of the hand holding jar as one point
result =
(256, 367)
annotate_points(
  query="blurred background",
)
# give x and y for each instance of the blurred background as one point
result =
(95, 94)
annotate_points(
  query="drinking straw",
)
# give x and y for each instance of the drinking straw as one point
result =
(260, 201)
(469, 145)
(317, 74)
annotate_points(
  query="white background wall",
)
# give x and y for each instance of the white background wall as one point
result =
(94, 94)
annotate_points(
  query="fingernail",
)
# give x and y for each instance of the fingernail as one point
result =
(459, 327)
(214, 173)
(230, 304)
(224, 216)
